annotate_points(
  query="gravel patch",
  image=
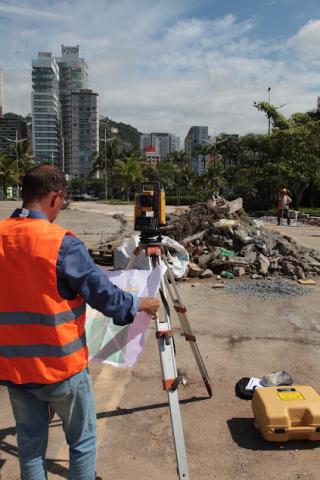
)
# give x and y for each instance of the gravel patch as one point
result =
(268, 288)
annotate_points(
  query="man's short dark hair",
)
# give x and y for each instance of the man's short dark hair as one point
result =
(40, 180)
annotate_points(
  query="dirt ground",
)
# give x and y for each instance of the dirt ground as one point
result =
(237, 336)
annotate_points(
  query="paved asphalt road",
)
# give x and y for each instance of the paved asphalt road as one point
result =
(237, 336)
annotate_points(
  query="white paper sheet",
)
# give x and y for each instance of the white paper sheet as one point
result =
(122, 346)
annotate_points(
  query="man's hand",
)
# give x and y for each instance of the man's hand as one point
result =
(149, 305)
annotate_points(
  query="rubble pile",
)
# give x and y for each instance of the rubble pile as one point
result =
(221, 239)
(311, 221)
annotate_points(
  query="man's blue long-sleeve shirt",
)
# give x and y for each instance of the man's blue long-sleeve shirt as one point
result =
(78, 274)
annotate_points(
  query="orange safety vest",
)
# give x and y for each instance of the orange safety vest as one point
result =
(42, 335)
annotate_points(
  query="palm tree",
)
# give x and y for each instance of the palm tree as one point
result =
(179, 158)
(213, 178)
(8, 172)
(105, 160)
(23, 157)
(127, 172)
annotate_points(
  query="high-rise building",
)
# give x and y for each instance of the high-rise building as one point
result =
(12, 129)
(46, 114)
(1, 95)
(54, 81)
(195, 137)
(145, 141)
(74, 77)
(164, 143)
(85, 132)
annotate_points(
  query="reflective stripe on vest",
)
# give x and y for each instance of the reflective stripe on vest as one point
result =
(28, 318)
(33, 351)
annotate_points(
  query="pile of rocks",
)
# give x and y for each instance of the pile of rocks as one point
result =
(222, 239)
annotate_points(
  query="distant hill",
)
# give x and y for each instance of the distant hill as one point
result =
(128, 134)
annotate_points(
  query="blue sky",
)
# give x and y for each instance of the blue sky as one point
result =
(164, 65)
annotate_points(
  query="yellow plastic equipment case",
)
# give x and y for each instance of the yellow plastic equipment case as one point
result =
(287, 413)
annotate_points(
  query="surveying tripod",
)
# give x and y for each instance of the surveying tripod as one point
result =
(154, 250)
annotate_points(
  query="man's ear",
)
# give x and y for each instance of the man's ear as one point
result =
(53, 198)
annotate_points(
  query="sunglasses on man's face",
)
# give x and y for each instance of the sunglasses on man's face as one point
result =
(65, 193)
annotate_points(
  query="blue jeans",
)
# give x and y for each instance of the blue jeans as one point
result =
(73, 401)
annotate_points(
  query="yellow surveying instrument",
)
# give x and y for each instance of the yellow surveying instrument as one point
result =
(150, 209)
(152, 246)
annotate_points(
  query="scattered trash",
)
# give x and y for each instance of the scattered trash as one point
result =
(177, 256)
(308, 281)
(245, 387)
(225, 274)
(226, 253)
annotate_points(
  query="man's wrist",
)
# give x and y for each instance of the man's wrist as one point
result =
(135, 308)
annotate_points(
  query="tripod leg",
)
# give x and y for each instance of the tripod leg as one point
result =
(186, 327)
(170, 382)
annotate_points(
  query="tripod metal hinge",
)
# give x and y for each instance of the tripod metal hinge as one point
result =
(166, 334)
(172, 383)
(180, 308)
(189, 338)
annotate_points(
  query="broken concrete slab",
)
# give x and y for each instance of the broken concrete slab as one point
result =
(206, 274)
(287, 268)
(194, 270)
(196, 236)
(204, 259)
(239, 271)
(235, 261)
(299, 272)
(264, 264)
(230, 207)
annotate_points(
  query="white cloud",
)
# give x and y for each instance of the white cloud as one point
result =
(307, 40)
(25, 11)
(158, 67)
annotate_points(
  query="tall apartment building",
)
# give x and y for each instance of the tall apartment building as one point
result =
(47, 139)
(1, 95)
(85, 131)
(196, 136)
(55, 80)
(164, 143)
(12, 129)
(74, 77)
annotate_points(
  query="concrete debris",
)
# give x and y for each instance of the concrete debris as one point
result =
(194, 270)
(196, 236)
(211, 230)
(206, 274)
(239, 271)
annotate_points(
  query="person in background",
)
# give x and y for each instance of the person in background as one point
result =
(47, 277)
(283, 206)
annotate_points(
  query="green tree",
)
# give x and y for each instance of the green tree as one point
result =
(127, 173)
(293, 150)
(104, 161)
(8, 173)
(179, 158)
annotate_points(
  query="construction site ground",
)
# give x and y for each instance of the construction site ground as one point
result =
(238, 337)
